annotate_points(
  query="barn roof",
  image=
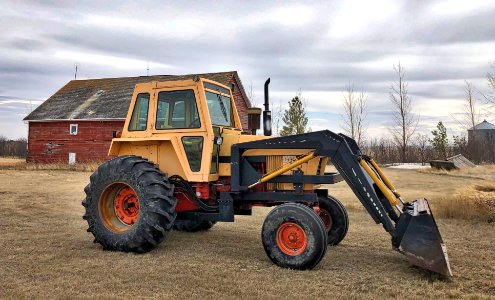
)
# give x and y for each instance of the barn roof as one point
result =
(108, 98)
(483, 126)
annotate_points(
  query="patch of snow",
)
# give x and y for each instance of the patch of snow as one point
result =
(410, 166)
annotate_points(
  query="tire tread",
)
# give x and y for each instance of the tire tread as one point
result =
(157, 206)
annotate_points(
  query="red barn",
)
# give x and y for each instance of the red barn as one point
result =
(76, 123)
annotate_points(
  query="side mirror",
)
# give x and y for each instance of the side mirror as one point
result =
(254, 116)
(116, 134)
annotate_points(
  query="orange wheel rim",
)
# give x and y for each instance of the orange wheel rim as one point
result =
(326, 218)
(291, 239)
(119, 207)
(127, 205)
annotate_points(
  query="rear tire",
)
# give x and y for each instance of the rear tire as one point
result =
(294, 236)
(335, 218)
(193, 225)
(129, 205)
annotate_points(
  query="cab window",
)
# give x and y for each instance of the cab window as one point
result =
(139, 117)
(177, 110)
(193, 145)
(219, 108)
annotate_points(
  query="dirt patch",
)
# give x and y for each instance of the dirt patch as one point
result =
(46, 252)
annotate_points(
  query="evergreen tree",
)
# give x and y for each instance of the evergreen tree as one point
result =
(440, 141)
(295, 120)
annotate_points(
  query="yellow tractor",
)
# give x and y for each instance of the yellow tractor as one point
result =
(182, 161)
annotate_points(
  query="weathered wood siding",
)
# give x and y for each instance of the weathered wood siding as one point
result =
(51, 141)
(240, 104)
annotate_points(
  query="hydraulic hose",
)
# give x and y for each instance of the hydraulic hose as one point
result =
(184, 185)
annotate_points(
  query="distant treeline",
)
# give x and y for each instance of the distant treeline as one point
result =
(385, 151)
(17, 148)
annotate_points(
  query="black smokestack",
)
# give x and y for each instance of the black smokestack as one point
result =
(267, 114)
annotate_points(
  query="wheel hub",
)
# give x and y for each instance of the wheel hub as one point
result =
(291, 239)
(127, 205)
(326, 218)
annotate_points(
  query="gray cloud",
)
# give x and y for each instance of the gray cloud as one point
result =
(294, 44)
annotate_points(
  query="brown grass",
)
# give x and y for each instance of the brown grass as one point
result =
(476, 202)
(9, 163)
(6, 162)
(481, 172)
(464, 194)
(46, 252)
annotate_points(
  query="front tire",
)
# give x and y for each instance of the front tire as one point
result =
(335, 218)
(294, 236)
(129, 205)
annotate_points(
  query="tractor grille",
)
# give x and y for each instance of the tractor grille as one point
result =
(275, 162)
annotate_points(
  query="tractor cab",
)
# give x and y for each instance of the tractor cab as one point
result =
(189, 117)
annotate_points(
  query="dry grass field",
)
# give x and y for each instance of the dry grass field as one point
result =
(11, 162)
(46, 252)
(486, 172)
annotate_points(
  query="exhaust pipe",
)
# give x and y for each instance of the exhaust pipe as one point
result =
(267, 114)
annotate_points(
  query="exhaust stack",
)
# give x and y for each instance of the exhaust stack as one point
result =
(267, 114)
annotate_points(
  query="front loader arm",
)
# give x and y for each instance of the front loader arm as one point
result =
(414, 233)
(343, 152)
(349, 167)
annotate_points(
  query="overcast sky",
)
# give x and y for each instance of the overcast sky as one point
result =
(317, 48)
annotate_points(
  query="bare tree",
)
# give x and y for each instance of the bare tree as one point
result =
(405, 122)
(472, 114)
(490, 97)
(277, 114)
(348, 122)
(362, 123)
(13, 148)
(472, 117)
(251, 95)
(491, 83)
(422, 145)
(355, 114)
(3, 145)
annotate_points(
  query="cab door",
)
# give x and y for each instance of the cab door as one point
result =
(217, 134)
(222, 114)
(178, 116)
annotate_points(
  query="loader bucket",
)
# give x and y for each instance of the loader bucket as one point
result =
(419, 239)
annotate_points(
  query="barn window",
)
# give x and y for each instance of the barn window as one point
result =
(73, 129)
